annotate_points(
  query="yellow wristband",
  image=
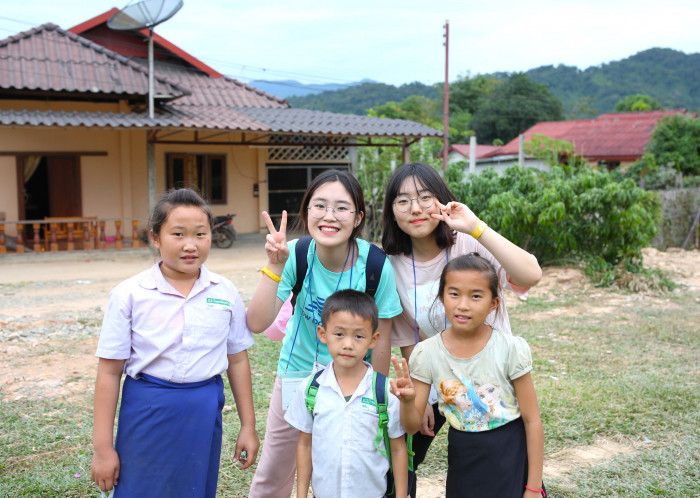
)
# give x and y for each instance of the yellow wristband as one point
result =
(266, 271)
(479, 230)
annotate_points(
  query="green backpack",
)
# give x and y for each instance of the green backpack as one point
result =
(380, 388)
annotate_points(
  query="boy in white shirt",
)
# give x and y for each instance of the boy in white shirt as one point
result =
(338, 440)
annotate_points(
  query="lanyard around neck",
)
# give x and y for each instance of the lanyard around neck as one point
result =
(308, 279)
(415, 293)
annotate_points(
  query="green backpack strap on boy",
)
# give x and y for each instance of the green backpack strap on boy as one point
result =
(380, 388)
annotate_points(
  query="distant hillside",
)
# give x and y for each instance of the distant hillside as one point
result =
(360, 98)
(670, 76)
(288, 88)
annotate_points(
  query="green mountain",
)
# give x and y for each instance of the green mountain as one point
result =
(670, 76)
(358, 99)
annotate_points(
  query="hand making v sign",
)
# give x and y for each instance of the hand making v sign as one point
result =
(276, 242)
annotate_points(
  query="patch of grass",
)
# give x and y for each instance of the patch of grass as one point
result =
(670, 470)
(631, 372)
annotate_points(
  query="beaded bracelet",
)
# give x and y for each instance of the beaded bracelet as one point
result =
(266, 271)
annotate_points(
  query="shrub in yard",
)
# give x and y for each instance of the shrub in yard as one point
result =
(581, 214)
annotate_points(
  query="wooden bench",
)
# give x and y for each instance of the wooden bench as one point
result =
(83, 228)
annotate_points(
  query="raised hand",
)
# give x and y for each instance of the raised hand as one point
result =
(276, 240)
(402, 387)
(458, 216)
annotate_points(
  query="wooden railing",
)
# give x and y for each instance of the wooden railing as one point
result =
(65, 233)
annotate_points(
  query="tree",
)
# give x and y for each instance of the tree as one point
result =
(469, 94)
(638, 102)
(414, 108)
(513, 107)
(676, 143)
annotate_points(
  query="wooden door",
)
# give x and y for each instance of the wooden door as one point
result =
(65, 195)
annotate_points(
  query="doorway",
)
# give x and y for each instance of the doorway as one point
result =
(49, 186)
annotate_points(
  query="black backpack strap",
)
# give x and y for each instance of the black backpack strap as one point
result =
(300, 252)
(373, 271)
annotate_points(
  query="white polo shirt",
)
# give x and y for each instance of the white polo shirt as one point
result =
(345, 460)
(161, 333)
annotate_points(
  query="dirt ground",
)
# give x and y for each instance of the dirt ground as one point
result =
(44, 298)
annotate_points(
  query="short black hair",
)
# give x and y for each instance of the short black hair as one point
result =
(175, 198)
(395, 240)
(356, 302)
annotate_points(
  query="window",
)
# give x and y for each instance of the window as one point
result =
(203, 172)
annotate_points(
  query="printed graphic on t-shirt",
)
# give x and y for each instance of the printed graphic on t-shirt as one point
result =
(431, 313)
(312, 311)
(473, 407)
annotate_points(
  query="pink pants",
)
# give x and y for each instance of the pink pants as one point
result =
(274, 477)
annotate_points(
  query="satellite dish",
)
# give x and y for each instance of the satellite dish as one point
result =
(140, 15)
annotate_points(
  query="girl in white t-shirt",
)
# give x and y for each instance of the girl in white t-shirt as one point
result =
(172, 329)
(424, 228)
(485, 389)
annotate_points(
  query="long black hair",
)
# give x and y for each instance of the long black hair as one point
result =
(395, 240)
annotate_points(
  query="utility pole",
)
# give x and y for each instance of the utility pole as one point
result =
(446, 100)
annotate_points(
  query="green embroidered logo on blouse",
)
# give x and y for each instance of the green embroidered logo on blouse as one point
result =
(213, 303)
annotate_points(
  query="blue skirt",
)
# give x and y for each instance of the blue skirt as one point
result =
(169, 438)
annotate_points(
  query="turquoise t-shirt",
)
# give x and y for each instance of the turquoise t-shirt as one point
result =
(309, 305)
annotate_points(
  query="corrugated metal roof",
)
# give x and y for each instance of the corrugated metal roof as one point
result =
(298, 121)
(621, 136)
(49, 58)
(319, 122)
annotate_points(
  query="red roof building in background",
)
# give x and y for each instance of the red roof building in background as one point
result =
(613, 138)
(460, 152)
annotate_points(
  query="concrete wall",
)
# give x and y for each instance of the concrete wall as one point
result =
(115, 185)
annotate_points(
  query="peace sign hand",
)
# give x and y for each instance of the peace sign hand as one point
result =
(458, 216)
(402, 386)
(276, 242)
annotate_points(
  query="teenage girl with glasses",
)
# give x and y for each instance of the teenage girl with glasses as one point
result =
(332, 212)
(424, 228)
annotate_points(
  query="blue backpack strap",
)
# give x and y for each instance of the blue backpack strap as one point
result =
(300, 253)
(373, 272)
(311, 390)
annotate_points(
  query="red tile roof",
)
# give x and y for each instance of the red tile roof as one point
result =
(613, 136)
(481, 150)
(51, 59)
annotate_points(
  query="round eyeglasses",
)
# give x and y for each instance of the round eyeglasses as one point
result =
(403, 203)
(319, 210)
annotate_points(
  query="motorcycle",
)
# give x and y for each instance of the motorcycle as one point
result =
(222, 233)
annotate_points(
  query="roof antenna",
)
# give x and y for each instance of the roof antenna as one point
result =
(145, 14)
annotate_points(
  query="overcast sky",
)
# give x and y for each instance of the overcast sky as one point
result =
(396, 41)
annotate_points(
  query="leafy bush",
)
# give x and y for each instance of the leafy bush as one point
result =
(563, 214)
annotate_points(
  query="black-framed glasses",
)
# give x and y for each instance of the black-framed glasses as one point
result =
(318, 210)
(403, 203)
